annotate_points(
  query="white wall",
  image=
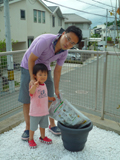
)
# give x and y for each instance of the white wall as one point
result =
(36, 29)
(22, 29)
(2, 24)
(18, 26)
(56, 29)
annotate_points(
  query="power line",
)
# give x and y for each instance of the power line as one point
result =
(102, 3)
(76, 9)
(111, 3)
(90, 4)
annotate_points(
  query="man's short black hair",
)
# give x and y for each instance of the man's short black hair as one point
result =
(39, 67)
(75, 30)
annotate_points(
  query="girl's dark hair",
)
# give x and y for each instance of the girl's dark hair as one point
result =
(39, 67)
(75, 30)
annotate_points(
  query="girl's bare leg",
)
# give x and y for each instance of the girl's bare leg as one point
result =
(31, 137)
(42, 132)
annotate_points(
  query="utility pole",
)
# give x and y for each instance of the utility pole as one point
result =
(115, 24)
(10, 67)
(119, 20)
(106, 30)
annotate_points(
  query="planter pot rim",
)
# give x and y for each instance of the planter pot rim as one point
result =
(70, 130)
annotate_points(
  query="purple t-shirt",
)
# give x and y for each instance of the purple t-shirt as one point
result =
(42, 47)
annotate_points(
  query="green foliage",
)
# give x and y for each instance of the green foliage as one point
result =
(3, 61)
(109, 39)
(95, 27)
(2, 46)
(6, 87)
(3, 49)
(52, 63)
(76, 62)
(95, 36)
(112, 23)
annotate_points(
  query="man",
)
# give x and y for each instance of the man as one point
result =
(45, 49)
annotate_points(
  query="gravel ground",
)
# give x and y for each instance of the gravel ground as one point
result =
(100, 145)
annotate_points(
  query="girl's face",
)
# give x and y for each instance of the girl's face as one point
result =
(41, 77)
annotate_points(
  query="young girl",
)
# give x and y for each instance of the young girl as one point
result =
(39, 105)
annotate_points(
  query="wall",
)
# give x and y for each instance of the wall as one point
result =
(35, 29)
(56, 29)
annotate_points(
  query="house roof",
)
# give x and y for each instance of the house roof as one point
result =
(1, 1)
(74, 18)
(112, 27)
(53, 8)
(56, 9)
(40, 1)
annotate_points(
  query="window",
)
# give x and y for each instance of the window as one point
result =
(53, 21)
(35, 16)
(22, 14)
(43, 17)
(39, 16)
(30, 39)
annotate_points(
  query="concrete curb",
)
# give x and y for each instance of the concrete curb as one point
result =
(11, 122)
(18, 118)
(105, 124)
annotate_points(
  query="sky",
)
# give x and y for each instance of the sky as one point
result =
(91, 6)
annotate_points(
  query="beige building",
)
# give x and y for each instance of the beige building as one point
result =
(82, 23)
(29, 20)
(57, 19)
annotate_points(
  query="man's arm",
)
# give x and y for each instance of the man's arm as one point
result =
(31, 63)
(57, 74)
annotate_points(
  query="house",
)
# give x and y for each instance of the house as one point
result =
(30, 19)
(57, 19)
(113, 31)
(101, 30)
(82, 23)
(27, 21)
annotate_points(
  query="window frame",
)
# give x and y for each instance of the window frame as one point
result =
(21, 10)
(34, 16)
(53, 21)
(39, 17)
(43, 17)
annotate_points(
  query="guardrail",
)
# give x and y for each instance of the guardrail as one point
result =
(92, 83)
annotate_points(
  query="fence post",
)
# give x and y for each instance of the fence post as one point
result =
(96, 82)
(104, 85)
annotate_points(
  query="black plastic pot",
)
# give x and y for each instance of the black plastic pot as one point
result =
(74, 139)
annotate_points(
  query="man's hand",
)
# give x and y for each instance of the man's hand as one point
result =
(57, 93)
(51, 98)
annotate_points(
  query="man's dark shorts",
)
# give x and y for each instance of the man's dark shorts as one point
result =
(24, 86)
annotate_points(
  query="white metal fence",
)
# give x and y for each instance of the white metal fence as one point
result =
(91, 83)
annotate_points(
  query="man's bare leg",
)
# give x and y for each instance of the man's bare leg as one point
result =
(26, 115)
(25, 135)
